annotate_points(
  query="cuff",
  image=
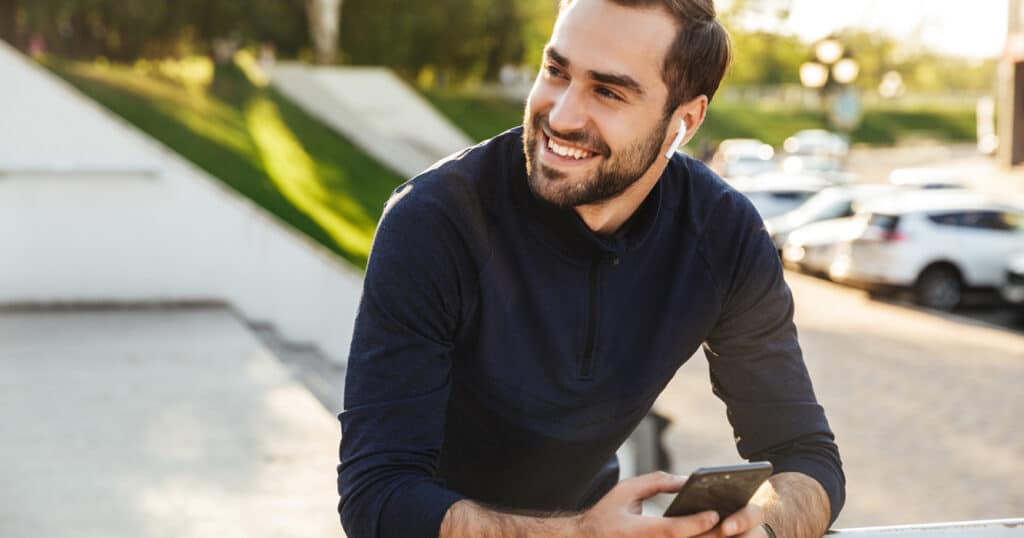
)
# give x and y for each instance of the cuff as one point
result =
(415, 510)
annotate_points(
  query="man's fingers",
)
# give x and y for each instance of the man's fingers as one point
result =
(742, 521)
(692, 525)
(651, 484)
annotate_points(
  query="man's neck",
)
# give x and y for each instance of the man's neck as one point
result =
(607, 217)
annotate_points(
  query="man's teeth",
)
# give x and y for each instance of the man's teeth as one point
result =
(574, 153)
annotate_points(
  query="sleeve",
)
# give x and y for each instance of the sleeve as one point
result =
(397, 383)
(757, 368)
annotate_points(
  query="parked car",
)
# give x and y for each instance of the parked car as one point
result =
(937, 243)
(928, 178)
(740, 157)
(812, 248)
(777, 193)
(817, 142)
(1013, 288)
(831, 203)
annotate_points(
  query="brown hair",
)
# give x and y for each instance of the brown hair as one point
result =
(698, 56)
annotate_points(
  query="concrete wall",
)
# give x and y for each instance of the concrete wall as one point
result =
(374, 109)
(92, 210)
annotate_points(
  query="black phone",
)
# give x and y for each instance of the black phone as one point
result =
(724, 489)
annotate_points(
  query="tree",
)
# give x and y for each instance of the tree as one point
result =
(8, 21)
(324, 23)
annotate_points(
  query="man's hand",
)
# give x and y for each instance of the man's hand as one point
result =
(618, 514)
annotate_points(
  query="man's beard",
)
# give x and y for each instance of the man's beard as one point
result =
(616, 173)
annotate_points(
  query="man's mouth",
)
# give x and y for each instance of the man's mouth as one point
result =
(567, 151)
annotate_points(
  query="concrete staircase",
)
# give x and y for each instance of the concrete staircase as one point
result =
(94, 211)
(375, 110)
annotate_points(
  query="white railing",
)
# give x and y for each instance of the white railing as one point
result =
(994, 528)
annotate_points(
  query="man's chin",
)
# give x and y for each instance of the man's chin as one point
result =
(554, 187)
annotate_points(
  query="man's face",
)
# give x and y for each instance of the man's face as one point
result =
(595, 120)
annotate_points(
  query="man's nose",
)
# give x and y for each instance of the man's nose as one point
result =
(569, 113)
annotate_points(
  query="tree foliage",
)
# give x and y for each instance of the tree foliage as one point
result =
(443, 40)
(130, 29)
(454, 39)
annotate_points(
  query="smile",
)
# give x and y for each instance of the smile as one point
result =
(568, 151)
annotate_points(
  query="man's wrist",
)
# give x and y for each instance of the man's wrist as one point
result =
(768, 531)
(468, 519)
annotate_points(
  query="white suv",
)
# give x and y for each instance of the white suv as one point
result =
(937, 242)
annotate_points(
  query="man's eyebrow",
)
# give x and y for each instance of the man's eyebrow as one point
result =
(623, 81)
(554, 55)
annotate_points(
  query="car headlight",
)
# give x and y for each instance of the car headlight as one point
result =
(794, 253)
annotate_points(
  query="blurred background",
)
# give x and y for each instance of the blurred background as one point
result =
(189, 191)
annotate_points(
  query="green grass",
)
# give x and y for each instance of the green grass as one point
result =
(257, 143)
(726, 120)
(891, 126)
(483, 117)
(480, 117)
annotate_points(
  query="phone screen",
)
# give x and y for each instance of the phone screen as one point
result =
(723, 489)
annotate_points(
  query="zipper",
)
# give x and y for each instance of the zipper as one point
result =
(587, 360)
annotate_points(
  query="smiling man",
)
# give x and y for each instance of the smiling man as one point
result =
(527, 300)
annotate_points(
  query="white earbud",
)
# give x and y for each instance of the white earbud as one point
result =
(679, 140)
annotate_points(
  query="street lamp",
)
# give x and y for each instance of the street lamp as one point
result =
(813, 75)
(845, 71)
(831, 62)
(829, 50)
(832, 72)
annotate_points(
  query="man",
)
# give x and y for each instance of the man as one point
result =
(527, 300)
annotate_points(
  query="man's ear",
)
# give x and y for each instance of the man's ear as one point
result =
(692, 112)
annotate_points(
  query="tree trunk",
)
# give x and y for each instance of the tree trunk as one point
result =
(324, 21)
(8, 27)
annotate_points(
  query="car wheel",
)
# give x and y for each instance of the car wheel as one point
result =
(939, 287)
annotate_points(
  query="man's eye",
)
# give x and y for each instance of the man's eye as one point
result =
(554, 71)
(605, 92)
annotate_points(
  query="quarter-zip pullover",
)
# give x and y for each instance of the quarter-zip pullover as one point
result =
(502, 351)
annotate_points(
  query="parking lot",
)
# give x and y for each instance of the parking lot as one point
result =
(925, 407)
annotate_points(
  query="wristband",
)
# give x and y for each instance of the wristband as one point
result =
(768, 530)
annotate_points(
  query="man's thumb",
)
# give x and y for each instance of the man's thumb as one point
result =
(651, 484)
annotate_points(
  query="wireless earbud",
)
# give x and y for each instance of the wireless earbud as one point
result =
(679, 140)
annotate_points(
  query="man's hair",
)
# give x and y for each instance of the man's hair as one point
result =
(699, 54)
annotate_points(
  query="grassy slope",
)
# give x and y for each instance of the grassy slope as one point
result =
(483, 117)
(478, 116)
(257, 143)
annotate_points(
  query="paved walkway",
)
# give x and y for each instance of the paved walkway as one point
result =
(154, 423)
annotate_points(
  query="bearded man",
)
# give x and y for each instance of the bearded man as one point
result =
(528, 299)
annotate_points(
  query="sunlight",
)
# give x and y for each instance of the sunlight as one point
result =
(193, 72)
(294, 172)
(245, 61)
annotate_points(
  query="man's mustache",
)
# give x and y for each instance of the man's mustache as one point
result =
(581, 137)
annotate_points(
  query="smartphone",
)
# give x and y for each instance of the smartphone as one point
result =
(724, 489)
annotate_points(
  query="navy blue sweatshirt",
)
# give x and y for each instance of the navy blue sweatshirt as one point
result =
(502, 352)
